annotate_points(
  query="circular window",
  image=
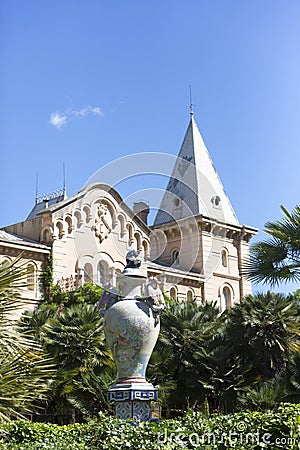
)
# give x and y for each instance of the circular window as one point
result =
(216, 200)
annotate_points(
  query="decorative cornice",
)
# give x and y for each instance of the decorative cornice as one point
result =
(206, 224)
(227, 276)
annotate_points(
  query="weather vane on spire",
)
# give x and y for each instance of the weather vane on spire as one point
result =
(191, 102)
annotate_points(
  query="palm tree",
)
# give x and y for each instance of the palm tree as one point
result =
(75, 339)
(256, 345)
(277, 259)
(70, 329)
(178, 364)
(264, 330)
(292, 379)
(24, 368)
(264, 396)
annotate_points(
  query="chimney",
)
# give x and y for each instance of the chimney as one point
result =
(141, 209)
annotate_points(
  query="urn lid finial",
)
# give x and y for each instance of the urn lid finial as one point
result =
(133, 264)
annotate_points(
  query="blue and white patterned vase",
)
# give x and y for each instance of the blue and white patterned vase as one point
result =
(131, 331)
(131, 326)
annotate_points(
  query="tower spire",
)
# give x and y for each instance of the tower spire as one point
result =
(191, 102)
(194, 186)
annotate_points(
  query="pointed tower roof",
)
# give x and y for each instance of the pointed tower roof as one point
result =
(194, 186)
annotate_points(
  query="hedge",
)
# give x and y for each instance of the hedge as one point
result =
(241, 431)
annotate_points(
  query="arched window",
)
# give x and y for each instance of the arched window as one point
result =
(130, 233)
(224, 258)
(146, 254)
(88, 273)
(30, 277)
(78, 218)
(60, 231)
(175, 256)
(138, 241)
(227, 301)
(87, 212)
(5, 260)
(46, 235)
(102, 273)
(122, 225)
(189, 295)
(68, 220)
(173, 293)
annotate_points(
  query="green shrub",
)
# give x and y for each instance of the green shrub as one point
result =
(24, 435)
(240, 431)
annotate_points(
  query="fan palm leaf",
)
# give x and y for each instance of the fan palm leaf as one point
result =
(277, 259)
(75, 338)
(24, 369)
(176, 365)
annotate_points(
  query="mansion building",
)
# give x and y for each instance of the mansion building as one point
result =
(195, 248)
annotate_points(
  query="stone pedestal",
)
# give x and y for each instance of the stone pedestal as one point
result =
(132, 400)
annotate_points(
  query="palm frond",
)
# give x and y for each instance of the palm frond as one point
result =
(277, 259)
(25, 371)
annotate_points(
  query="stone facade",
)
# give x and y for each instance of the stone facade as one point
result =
(195, 247)
(203, 259)
(33, 256)
(89, 234)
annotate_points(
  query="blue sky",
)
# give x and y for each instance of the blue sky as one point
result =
(87, 82)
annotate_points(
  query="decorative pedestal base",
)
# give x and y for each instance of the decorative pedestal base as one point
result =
(132, 400)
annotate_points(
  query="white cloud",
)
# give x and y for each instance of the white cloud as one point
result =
(85, 111)
(96, 110)
(58, 119)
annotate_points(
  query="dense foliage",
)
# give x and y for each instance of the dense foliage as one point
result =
(245, 358)
(179, 362)
(242, 431)
(25, 370)
(202, 356)
(70, 330)
(277, 259)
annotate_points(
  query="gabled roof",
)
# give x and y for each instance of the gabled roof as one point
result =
(194, 186)
(59, 203)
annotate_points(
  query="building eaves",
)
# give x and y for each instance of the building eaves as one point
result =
(175, 271)
(13, 240)
(199, 218)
